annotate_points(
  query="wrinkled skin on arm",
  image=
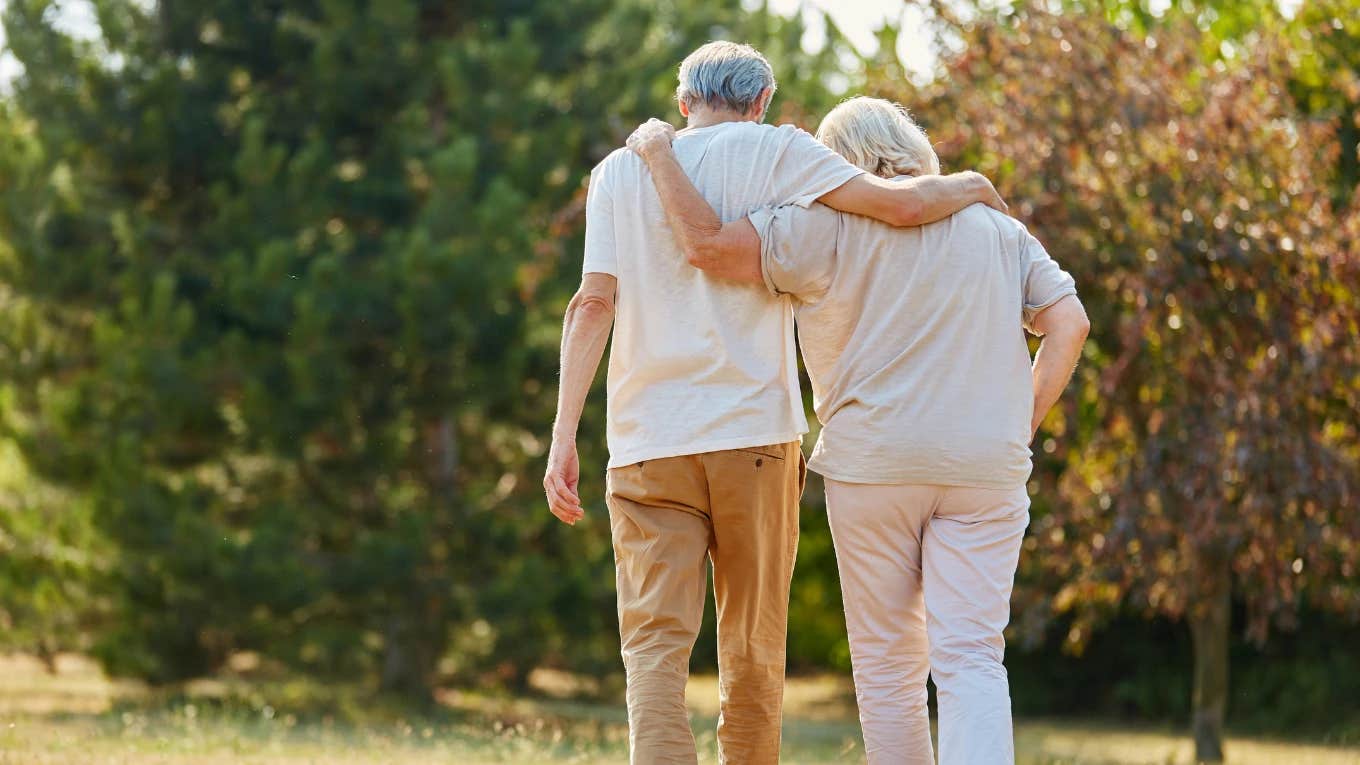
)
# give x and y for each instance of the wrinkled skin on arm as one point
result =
(732, 250)
(585, 332)
(913, 201)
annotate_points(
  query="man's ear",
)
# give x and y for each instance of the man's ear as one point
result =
(684, 109)
(763, 103)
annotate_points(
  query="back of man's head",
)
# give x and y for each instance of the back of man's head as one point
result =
(724, 76)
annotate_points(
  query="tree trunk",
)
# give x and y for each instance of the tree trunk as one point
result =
(409, 660)
(416, 633)
(47, 654)
(1210, 619)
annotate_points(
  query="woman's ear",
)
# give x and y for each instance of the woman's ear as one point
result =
(684, 110)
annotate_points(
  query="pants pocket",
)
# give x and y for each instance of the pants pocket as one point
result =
(772, 452)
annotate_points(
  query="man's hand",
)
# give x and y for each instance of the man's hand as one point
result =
(563, 474)
(986, 192)
(585, 331)
(651, 137)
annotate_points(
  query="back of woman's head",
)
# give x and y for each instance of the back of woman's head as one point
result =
(879, 137)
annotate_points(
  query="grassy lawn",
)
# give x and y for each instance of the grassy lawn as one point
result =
(78, 716)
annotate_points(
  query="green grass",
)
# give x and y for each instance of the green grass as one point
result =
(78, 716)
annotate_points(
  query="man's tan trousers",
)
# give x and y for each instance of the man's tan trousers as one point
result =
(739, 509)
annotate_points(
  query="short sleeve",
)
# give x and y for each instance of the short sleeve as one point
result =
(807, 169)
(601, 253)
(797, 248)
(1045, 283)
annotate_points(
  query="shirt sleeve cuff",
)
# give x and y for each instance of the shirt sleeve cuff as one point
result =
(1034, 309)
(599, 268)
(833, 182)
(763, 220)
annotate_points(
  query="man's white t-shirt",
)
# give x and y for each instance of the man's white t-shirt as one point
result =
(700, 364)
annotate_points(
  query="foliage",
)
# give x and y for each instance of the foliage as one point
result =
(52, 563)
(1210, 448)
(1304, 682)
(283, 286)
(1325, 80)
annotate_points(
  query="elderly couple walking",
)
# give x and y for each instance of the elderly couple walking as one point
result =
(911, 302)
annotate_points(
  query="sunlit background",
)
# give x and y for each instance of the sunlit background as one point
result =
(281, 287)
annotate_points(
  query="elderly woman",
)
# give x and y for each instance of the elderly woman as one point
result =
(923, 383)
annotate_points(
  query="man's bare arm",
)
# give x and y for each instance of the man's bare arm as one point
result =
(913, 201)
(732, 250)
(1063, 326)
(585, 332)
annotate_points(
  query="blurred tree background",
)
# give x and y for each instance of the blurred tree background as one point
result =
(1201, 195)
(282, 283)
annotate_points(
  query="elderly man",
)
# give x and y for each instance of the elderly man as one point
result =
(922, 380)
(704, 413)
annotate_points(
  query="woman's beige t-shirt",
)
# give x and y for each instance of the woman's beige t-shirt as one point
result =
(914, 340)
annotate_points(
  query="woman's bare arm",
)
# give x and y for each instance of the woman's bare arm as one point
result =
(1064, 327)
(729, 251)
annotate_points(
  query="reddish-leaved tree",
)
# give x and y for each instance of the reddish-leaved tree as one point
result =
(1209, 448)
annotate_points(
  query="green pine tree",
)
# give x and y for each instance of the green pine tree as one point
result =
(282, 285)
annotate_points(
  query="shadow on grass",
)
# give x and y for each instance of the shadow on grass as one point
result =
(79, 716)
(250, 716)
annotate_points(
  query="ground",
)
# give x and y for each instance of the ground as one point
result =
(78, 716)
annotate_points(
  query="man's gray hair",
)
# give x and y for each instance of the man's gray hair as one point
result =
(724, 75)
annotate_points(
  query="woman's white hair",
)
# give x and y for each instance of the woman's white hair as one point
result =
(878, 137)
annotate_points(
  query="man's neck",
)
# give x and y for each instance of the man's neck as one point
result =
(708, 118)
